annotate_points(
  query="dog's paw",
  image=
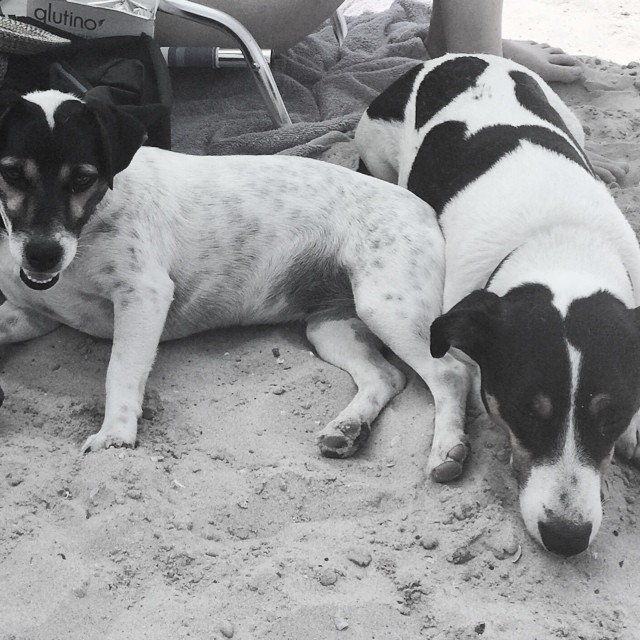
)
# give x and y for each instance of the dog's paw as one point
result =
(342, 439)
(105, 439)
(450, 466)
(628, 444)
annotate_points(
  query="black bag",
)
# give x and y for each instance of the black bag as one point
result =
(129, 71)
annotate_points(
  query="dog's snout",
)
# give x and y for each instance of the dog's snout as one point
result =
(43, 254)
(565, 538)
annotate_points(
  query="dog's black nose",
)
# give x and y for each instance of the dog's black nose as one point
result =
(43, 255)
(565, 538)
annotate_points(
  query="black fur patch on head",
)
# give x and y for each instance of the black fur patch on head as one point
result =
(26, 135)
(448, 160)
(529, 360)
(519, 343)
(607, 336)
(522, 344)
(445, 83)
(391, 103)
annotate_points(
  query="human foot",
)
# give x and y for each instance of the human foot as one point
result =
(550, 63)
(606, 169)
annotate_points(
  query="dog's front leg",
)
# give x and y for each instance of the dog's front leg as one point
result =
(18, 324)
(140, 311)
(628, 444)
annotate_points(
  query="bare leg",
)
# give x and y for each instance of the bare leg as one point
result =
(275, 24)
(348, 344)
(464, 26)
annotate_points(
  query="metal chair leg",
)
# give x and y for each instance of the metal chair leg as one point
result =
(339, 24)
(249, 47)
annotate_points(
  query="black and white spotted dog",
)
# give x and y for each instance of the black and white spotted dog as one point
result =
(141, 245)
(542, 273)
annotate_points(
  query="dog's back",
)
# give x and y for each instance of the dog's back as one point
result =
(247, 240)
(497, 154)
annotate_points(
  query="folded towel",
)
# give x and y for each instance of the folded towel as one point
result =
(325, 89)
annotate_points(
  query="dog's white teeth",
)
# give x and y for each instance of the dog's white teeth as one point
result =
(40, 280)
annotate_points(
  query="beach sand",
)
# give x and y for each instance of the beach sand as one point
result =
(225, 522)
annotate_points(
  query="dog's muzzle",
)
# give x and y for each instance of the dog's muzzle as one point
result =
(43, 259)
(39, 281)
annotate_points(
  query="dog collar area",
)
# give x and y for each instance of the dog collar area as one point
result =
(40, 283)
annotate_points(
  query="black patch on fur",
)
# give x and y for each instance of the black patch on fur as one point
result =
(449, 160)
(445, 83)
(529, 359)
(607, 336)
(391, 103)
(312, 284)
(494, 273)
(530, 95)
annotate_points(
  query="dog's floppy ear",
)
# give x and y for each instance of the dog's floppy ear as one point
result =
(471, 325)
(8, 100)
(121, 135)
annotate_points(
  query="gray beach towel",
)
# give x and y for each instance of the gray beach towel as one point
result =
(325, 88)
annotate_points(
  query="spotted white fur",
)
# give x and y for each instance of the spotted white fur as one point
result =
(185, 243)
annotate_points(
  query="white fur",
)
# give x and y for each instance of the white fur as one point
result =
(49, 100)
(559, 225)
(188, 243)
(568, 476)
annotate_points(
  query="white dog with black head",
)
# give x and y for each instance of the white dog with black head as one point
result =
(542, 274)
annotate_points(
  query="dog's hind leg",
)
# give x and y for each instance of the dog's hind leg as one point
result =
(405, 329)
(348, 344)
(377, 143)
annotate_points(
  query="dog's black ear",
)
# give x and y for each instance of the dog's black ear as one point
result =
(471, 325)
(8, 100)
(121, 135)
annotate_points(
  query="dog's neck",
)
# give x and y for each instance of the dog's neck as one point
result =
(571, 261)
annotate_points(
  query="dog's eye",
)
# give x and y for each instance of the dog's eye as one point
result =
(525, 411)
(81, 182)
(13, 175)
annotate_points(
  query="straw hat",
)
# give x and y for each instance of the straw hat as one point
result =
(21, 38)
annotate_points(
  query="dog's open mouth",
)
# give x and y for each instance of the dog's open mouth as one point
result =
(39, 281)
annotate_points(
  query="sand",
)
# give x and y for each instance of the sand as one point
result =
(226, 523)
